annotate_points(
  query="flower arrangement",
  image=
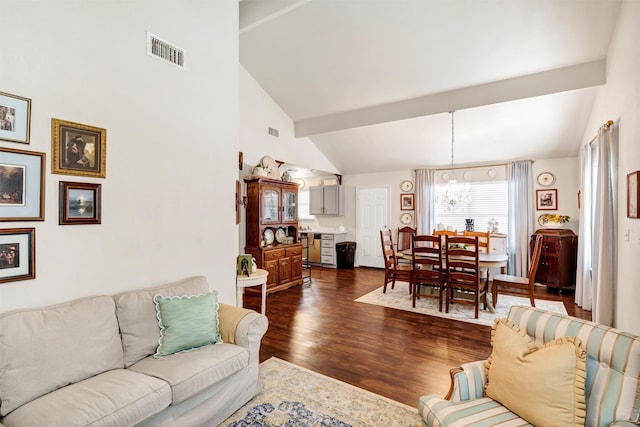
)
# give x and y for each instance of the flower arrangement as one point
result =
(558, 219)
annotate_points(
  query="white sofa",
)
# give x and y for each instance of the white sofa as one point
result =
(89, 362)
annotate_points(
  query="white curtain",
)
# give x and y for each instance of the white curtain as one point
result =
(425, 201)
(597, 258)
(520, 184)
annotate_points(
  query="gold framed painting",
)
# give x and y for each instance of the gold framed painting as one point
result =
(78, 149)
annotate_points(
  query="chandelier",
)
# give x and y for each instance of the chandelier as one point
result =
(454, 195)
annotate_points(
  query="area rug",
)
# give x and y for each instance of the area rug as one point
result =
(400, 299)
(293, 396)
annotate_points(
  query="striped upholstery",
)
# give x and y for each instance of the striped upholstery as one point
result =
(612, 386)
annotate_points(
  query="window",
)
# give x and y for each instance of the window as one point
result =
(488, 200)
(303, 205)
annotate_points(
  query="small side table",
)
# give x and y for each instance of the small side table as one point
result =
(258, 277)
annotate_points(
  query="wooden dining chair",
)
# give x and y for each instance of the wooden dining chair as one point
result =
(484, 239)
(517, 285)
(392, 270)
(445, 232)
(404, 242)
(463, 273)
(427, 268)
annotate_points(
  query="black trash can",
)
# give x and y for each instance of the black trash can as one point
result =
(346, 252)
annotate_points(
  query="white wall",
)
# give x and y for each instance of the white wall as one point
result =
(567, 172)
(172, 141)
(618, 101)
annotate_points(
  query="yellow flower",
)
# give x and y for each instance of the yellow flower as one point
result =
(555, 218)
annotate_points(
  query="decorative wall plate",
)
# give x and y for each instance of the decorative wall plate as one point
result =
(280, 235)
(268, 236)
(406, 218)
(546, 179)
(406, 186)
(492, 173)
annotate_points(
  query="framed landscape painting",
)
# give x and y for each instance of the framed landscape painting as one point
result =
(22, 175)
(80, 203)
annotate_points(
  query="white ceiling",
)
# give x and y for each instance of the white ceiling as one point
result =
(372, 82)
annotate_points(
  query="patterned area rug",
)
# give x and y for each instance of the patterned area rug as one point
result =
(296, 397)
(399, 298)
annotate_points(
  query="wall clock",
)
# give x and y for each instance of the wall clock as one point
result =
(546, 178)
(406, 186)
(406, 218)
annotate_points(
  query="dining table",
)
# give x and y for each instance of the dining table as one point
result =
(485, 261)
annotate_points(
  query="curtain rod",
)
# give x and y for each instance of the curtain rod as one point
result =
(474, 167)
(608, 125)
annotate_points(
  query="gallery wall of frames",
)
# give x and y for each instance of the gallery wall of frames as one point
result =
(77, 150)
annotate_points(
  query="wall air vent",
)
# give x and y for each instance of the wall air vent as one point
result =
(274, 132)
(165, 51)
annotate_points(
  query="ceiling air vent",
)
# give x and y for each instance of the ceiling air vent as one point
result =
(165, 51)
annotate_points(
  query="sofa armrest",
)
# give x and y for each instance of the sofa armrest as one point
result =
(242, 327)
(467, 381)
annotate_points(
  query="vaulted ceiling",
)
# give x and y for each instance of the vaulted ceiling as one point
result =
(372, 82)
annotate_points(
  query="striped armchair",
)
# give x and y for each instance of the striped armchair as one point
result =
(612, 383)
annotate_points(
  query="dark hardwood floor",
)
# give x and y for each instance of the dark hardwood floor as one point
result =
(393, 353)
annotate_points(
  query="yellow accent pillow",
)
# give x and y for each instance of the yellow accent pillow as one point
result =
(545, 386)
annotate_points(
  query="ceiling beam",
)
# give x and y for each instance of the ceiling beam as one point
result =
(544, 83)
(254, 13)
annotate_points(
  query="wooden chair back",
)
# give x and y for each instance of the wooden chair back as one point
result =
(463, 271)
(484, 239)
(427, 267)
(392, 270)
(404, 237)
(445, 233)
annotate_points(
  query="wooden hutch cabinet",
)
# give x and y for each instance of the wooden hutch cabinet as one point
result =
(271, 220)
(558, 259)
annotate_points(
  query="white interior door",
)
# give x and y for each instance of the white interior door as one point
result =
(372, 214)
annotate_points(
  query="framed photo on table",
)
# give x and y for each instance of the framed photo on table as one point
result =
(80, 203)
(22, 175)
(547, 200)
(78, 149)
(15, 118)
(17, 254)
(407, 202)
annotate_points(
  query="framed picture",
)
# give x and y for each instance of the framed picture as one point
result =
(80, 203)
(21, 185)
(633, 194)
(406, 202)
(17, 254)
(244, 265)
(15, 118)
(78, 149)
(547, 200)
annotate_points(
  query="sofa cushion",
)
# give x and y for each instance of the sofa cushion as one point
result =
(47, 348)
(114, 398)
(613, 361)
(186, 322)
(191, 372)
(545, 386)
(436, 411)
(136, 313)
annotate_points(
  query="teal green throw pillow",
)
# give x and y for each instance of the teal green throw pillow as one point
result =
(186, 322)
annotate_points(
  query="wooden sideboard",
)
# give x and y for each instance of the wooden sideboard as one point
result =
(272, 212)
(558, 259)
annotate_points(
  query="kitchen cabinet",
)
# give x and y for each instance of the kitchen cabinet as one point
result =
(326, 200)
(272, 231)
(558, 259)
(498, 243)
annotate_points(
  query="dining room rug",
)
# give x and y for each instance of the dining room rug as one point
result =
(399, 298)
(293, 396)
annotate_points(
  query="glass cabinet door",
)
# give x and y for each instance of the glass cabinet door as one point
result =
(290, 207)
(270, 205)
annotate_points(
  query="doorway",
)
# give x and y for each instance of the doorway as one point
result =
(372, 214)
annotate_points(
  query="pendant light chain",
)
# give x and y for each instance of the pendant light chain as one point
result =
(452, 137)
